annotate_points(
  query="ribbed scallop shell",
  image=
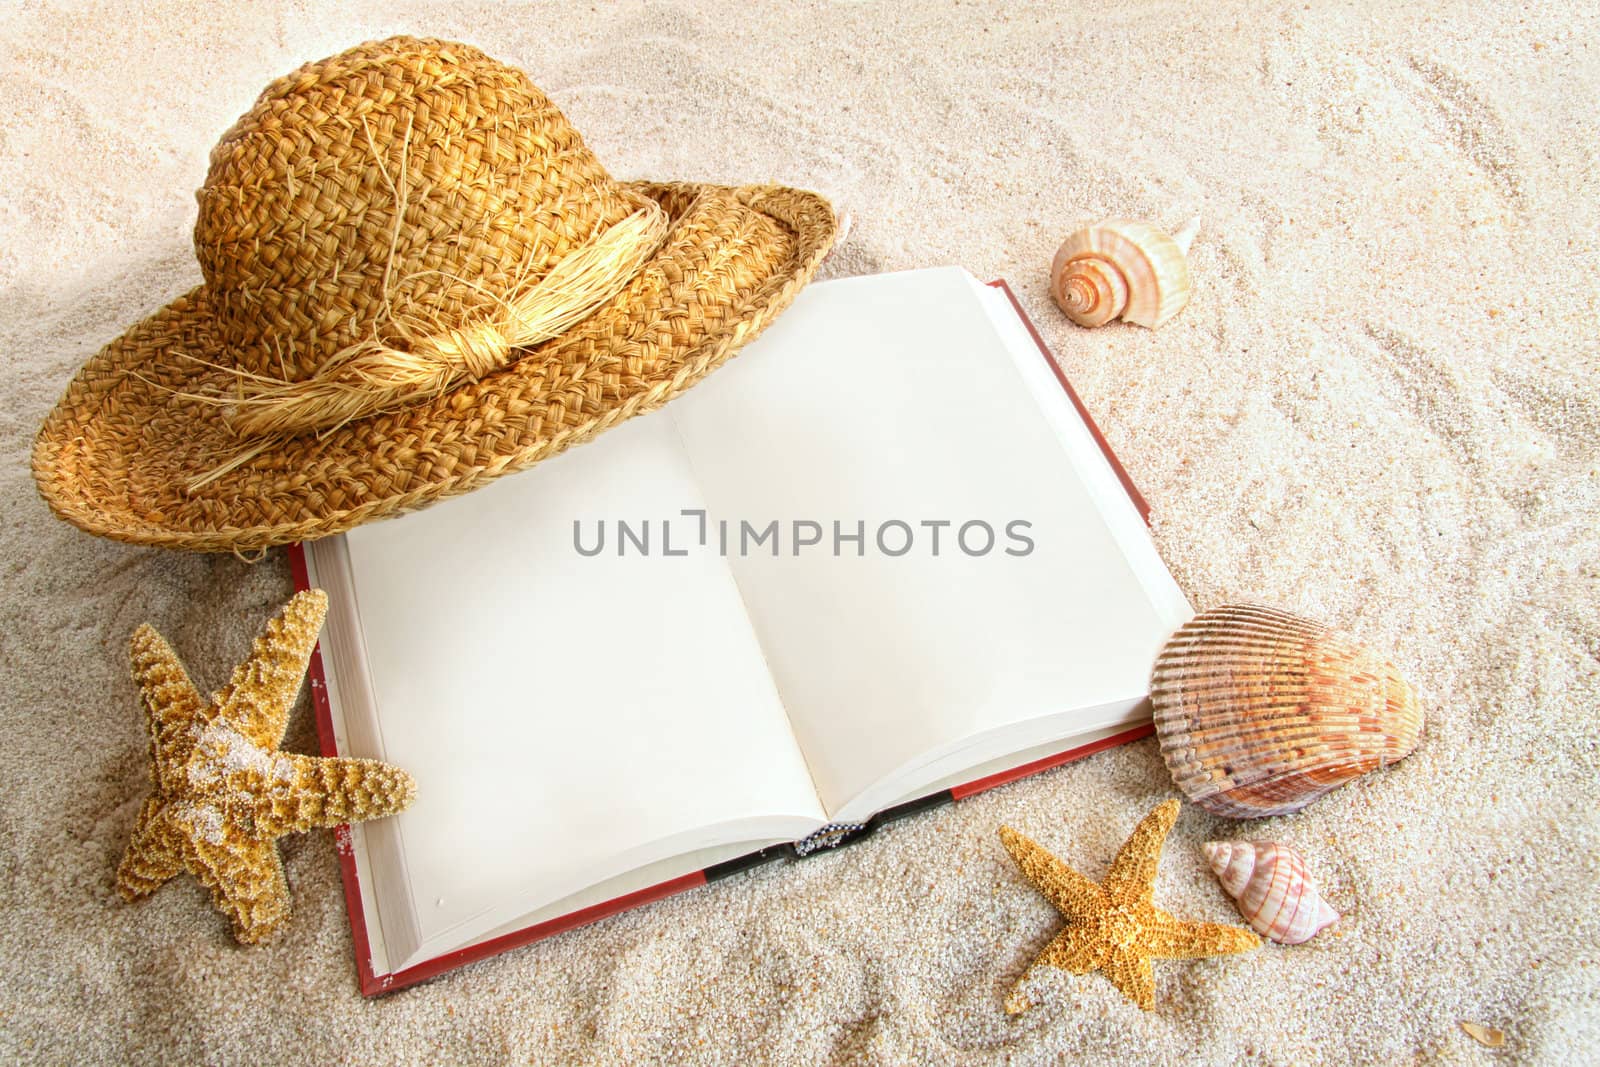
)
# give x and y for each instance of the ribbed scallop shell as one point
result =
(1275, 892)
(1260, 712)
(1124, 269)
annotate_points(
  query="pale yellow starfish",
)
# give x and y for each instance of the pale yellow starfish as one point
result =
(1114, 926)
(223, 793)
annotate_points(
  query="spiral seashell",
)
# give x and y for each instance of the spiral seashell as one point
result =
(1260, 712)
(1122, 269)
(1275, 892)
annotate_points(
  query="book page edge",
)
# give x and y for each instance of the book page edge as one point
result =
(350, 842)
(1123, 507)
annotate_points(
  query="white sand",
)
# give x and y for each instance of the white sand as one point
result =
(1380, 410)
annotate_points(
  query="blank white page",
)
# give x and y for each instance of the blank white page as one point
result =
(558, 711)
(894, 397)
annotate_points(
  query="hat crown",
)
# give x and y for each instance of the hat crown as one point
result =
(403, 177)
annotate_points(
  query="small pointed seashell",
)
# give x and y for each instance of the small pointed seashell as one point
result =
(1260, 712)
(846, 223)
(1487, 1036)
(1274, 891)
(1122, 269)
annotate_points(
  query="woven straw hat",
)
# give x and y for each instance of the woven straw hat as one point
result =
(417, 278)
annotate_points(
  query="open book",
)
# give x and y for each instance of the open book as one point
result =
(878, 557)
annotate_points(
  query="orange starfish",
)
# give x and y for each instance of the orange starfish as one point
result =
(1114, 926)
(223, 793)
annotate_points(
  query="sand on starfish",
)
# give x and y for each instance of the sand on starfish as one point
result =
(221, 792)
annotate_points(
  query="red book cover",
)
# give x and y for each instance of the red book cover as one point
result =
(374, 984)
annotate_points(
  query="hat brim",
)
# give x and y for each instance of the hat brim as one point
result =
(139, 424)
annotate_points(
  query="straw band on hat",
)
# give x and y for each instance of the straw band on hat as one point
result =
(417, 278)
